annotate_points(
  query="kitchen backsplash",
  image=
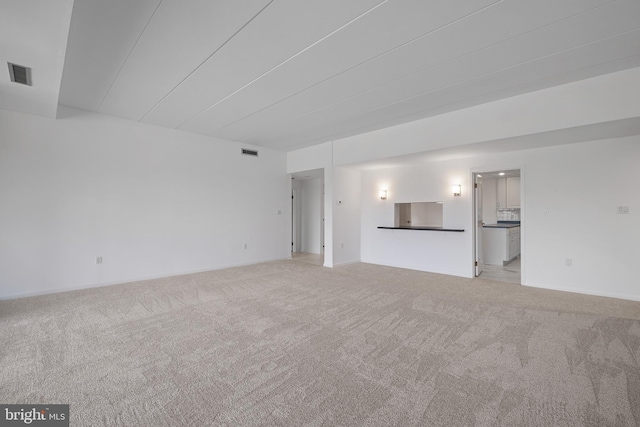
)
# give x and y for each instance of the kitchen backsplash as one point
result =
(508, 214)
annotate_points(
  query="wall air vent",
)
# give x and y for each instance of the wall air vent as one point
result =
(247, 152)
(20, 74)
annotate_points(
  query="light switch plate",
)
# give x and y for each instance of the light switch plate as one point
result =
(623, 210)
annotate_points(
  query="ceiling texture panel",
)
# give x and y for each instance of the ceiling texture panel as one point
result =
(486, 70)
(95, 52)
(33, 34)
(181, 36)
(381, 121)
(286, 74)
(339, 123)
(373, 34)
(462, 39)
(282, 31)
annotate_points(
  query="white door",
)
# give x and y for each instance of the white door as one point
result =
(479, 223)
(322, 218)
(294, 221)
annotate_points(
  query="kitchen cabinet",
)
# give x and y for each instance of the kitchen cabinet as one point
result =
(513, 192)
(500, 246)
(513, 238)
(501, 193)
(508, 192)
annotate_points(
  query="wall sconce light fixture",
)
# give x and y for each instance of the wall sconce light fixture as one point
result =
(382, 194)
(456, 190)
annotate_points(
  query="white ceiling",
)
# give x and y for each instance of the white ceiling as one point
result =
(286, 74)
(33, 34)
(505, 174)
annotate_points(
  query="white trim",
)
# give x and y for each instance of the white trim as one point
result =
(356, 261)
(588, 292)
(415, 268)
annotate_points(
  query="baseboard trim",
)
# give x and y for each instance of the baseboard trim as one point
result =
(415, 267)
(128, 280)
(587, 292)
(336, 264)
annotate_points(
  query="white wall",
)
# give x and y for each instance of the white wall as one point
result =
(426, 214)
(558, 118)
(311, 215)
(347, 198)
(151, 201)
(315, 157)
(341, 222)
(580, 184)
(435, 251)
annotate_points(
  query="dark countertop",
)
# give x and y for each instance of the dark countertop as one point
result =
(423, 228)
(507, 224)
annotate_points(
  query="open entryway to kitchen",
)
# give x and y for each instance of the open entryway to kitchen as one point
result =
(497, 203)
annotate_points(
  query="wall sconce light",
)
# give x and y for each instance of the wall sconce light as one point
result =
(382, 194)
(456, 190)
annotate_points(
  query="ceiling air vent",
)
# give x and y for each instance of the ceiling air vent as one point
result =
(247, 152)
(20, 74)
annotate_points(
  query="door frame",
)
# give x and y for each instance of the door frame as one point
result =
(523, 219)
(294, 219)
(477, 224)
(297, 195)
(322, 215)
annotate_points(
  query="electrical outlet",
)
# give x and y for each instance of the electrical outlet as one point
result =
(568, 262)
(244, 246)
(623, 210)
(279, 212)
(545, 211)
(98, 260)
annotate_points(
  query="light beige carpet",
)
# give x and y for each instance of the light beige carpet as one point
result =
(294, 344)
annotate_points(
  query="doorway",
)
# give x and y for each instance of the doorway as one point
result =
(497, 204)
(307, 213)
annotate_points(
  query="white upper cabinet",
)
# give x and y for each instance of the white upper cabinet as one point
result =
(501, 193)
(513, 192)
(508, 192)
